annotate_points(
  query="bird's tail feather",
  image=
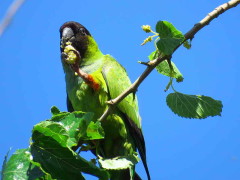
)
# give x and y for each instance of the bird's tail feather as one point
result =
(137, 135)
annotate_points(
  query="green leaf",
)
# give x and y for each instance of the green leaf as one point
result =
(170, 37)
(20, 167)
(55, 110)
(153, 55)
(68, 128)
(55, 130)
(81, 126)
(53, 141)
(194, 106)
(164, 69)
(89, 129)
(60, 116)
(120, 162)
(94, 131)
(73, 123)
(60, 162)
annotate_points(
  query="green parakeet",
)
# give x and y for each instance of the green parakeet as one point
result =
(93, 78)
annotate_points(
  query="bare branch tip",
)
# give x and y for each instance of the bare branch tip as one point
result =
(110, 102)
(143, 63)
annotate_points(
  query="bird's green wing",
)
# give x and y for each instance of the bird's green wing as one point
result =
(117, 81)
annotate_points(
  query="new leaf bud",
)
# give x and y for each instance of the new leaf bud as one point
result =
(148, 39)
(146, 28)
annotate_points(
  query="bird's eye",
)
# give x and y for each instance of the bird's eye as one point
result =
(83, 32)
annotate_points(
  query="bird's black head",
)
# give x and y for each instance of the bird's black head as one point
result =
(75, 33)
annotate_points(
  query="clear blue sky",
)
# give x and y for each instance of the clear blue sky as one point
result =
(32, 78)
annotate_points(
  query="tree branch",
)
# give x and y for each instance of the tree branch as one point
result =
(212, 15)
(10, 14)
(152, 64)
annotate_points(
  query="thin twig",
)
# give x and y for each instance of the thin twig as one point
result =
(212, 15)
(143, 63)
(189, 35)
(10, 14)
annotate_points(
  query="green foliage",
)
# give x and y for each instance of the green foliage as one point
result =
(55, 110)
(19, 167)
(94, 131)
(170, 37)
(54, 139)
(79, 125)
(189, 106)
(153, 55)
(51, 152)
(118, 163)
(164, 68)
(60, 162)
(194, 106)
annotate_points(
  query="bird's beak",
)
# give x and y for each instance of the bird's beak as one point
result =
(69, 54)
(67, 33)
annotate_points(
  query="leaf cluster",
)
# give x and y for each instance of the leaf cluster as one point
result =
(168, 39)
(51, 153)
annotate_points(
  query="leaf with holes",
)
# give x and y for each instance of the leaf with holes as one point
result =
(19, 166)
(118, 163)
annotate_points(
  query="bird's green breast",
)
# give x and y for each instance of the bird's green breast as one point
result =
(83, 98)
